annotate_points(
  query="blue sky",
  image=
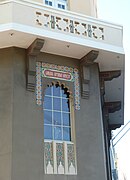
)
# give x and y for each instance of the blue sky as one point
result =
(118, 11)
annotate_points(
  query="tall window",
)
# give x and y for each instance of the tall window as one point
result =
(59, 141)
(57, 124)
(62, 4)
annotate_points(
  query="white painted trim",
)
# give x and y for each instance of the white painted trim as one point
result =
(54, 157)
(45, 34)
(5, 27)
(70, 14)
(58, 141)
(65, 157)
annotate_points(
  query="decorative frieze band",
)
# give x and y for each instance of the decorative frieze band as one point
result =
(68, 25)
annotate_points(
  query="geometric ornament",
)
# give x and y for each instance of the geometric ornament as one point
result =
(57, 72)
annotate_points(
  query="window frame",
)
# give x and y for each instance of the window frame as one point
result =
(57, 160)
(55, 4)
(71, 116)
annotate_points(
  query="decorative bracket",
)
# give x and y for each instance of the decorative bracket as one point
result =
(89, 58)
(32, 52)
(111, 107)
(107, 76)
(85, 62)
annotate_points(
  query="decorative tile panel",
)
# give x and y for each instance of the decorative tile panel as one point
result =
(57, 72)
(61, 75)
(76, 89)
(38, 83)
(60, 154)
(48, 151)
(59, 158)
(57, 67)
(71, 155)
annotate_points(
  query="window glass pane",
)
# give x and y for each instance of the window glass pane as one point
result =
(47, 132)
(66, 134)
(47, 117)
(66, 119)
(50, 3)
(57, 104)
(48, 91)
(63, 94)
(65, 105)
(57, 133)
(59, 5)
(47, 103)
(46, 2)
(57, 113)
(63, 6)
(56, 91)
(57, 118)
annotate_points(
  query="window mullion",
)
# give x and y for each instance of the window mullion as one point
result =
(61, 115)
(65, 158)
(54, 157)
(54, 3)
(52, 114)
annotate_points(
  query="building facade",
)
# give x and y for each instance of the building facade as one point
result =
(61, 90)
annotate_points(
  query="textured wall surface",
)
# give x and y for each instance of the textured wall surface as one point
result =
(21, 124)
(6, 112)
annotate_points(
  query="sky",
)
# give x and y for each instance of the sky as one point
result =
(118, 11)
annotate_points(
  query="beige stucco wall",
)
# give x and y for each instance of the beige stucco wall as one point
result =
(94, 8)
(39, 1)
(87, 7)
(21, 123)
(6, 101)
(5, 13)
(82, 6)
